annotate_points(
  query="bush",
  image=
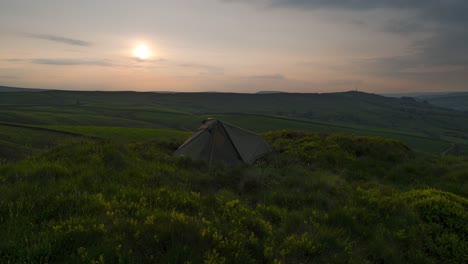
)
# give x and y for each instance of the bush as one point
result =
(319, 198)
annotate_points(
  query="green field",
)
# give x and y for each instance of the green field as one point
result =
(19, 142)
(90, 177)
(126, 134)
(422, 126)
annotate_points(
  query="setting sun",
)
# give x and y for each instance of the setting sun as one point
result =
(142, 52)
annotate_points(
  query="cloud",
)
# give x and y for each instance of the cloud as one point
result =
(268, 77)
(204, 68)
(72, 62)
(8, 77)
(445, 23)
(61, 39)
(159, 60)
(445, 51)
(65, 62)
(14, 60)
(440, 9)
(445, 47)
(405, 27)
(446, 12)
(346, 82)
(333, 4)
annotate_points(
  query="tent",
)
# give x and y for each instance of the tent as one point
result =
(219, 141)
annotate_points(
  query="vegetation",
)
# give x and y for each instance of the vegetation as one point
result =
(126, 134)
(90, 177)
(19, 142)
(420, 125)
(319, 198)
(456, 100)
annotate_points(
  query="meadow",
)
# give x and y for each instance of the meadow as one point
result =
(91, 178)
(318, 198)
(422, 126)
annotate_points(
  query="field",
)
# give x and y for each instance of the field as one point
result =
(422, 126)
(354, 178)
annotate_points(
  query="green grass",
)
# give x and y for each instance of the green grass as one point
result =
(19, 142)
(319, 198)
(91, 177)
(80, 116)
(265, 123)
(59, 118)
(126, 134)
(422, 126)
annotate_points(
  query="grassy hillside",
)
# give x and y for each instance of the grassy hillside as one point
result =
(422, 126)
(91, 177)
(15, 89)
(20, 141)
(318, 198)
(350, 107)
(127, 134)
(458, 101)
(17, 142)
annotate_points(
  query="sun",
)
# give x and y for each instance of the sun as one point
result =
(142, 52)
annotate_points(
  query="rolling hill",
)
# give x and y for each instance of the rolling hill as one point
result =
(421, 125)
(16, 89)
(457, 101)
(90, 177)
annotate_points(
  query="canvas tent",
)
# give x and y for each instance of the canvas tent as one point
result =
(219, 141)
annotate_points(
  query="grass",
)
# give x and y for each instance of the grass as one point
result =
(19, 142)
(59, 118)
(126, 134)
(319, 198)
(422, 126)
(91, 177)
(415, 141)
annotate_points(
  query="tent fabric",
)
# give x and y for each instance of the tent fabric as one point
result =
(219, 141)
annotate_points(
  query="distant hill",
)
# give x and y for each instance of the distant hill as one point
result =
(453, 100)
(418, 123)
(269, 92)
(423, 94)
(458, 101)
(15, 89)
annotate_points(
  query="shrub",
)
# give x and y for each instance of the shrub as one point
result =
(319, 198)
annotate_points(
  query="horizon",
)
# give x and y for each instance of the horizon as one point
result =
(235, 46)
(396, 94)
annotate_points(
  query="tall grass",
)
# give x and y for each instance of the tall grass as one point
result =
(318, 198)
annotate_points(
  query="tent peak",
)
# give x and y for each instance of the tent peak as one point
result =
(217, 140)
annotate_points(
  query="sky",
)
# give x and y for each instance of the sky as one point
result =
(378, 46)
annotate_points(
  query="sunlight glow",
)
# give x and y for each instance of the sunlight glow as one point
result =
(142, 52)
